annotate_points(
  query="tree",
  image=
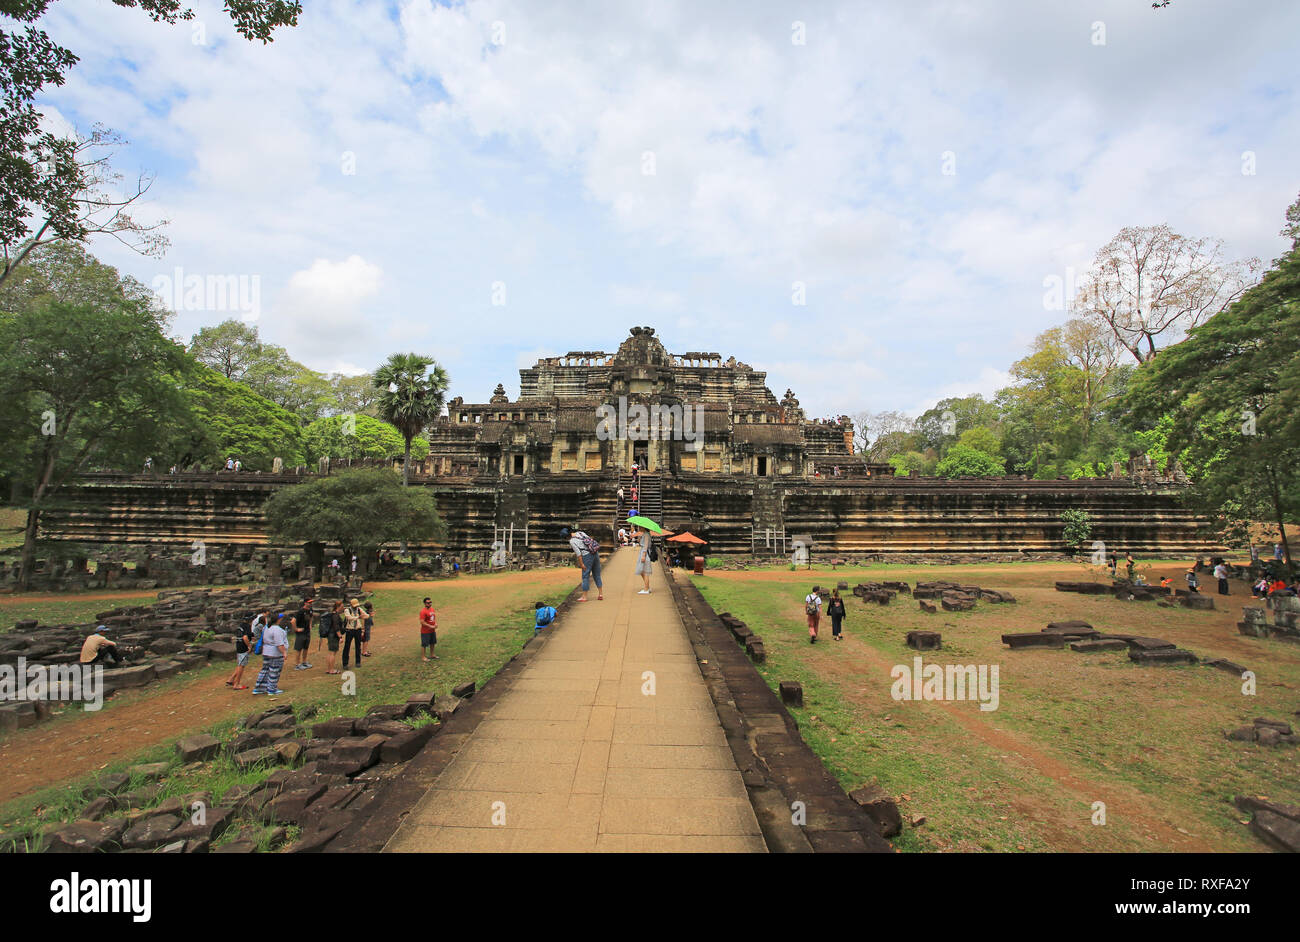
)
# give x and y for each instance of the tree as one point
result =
(230, 348)
(412, 389)
(1229, 397)
(1077, 527)
(354, 394)
(235, 350)
(85, 385)
(359, 510)
(232, 420)
(981, 438)
(965, 461)
(939, 427)
(329, 437)
(60, 180)
(1150, 282)
(878, 436)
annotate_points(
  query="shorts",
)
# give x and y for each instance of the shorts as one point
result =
(365, 634)
(428, 639)
(302, 641)
(332, 641)
(241, 659)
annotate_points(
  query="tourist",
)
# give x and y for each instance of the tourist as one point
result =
(239, 465)
(243, 649)
(835, 609)
(636, 502)
(428, 631)
(230, 464)
(620, 498)
(1129, 565)
(99, 648)
(1221, 573)
(1193, 584)
(1260, 589)
(365, 632)
(644, 562)
(302, 635)
(543, 615)
(622, 536)
(327, 626)
(1165, 582)
(812, 606)
(1277, 552)
(588, 552)
(354, 626)
(275, 645)
(1114, 564)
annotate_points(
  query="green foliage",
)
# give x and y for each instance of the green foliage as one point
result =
(981, 438)
(229, 419)
(359, 510)
(412, 391)
(912, 462)
(1078, 527)
(963, 460)
(371, 438)
(939, 427)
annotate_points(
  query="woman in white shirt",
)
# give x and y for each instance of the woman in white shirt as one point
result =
(643, 564)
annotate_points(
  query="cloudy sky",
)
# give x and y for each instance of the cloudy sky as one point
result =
(490, 182)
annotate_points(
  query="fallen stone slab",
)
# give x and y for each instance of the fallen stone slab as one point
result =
(405, 745)
(445, 706)
(149, 772)
(1276, 831)
(1092, 646)
(1069, 627)
(419, 703)
(1149, 644)
(1162, 656)
(150, 832)
(1241, 734)
(124, 677)
(927, 607)
(289, 807)
(198, 748)
(334, 729)
(464, 691)
(214, 822)
(352, 755)
(791, 692)
(924, 640)
(1250, 803)
(219, 649)
(236, 847)
(880, 808)
(1224, 664)
(1282, 726)
(1202, 603)
(755, 649)
(1034, 639)
(262, 755)
(384, 711)
(85, 837)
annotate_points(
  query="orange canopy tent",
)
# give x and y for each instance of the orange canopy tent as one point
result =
(687, 537)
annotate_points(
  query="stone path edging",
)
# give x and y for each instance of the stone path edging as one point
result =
(777, 766)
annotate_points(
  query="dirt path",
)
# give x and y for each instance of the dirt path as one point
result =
(135, 720)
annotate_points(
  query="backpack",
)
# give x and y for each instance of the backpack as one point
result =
(588, 544)
(258, 628)
(545, 615)
(809, 606)
(654, 553)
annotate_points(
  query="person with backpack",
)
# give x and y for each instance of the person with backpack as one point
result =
(835, 609)
(543, 617)
(365, 633)
(354, 626)
(588, 552)
(244, 641)
(302, 635)
(331, 630)
(645, 558)
(812, 606)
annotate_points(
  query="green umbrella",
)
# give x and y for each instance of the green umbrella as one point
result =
(647, 523)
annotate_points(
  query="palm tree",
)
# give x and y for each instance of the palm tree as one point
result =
(411, 393)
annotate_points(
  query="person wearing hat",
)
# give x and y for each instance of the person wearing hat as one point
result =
(354, 627)
(588, 552)
(99, 648)
(1193, 584)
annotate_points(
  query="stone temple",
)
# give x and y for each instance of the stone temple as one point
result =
(719, 454)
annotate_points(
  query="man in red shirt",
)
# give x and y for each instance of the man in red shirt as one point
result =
(428, 631)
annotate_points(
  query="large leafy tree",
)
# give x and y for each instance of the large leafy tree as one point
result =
(356, 437)
(964, 460)
(87, 384)
(229, 419)
(52, 187)
(412, 391)
(939, 428)
(359, 510)
(1229, 396)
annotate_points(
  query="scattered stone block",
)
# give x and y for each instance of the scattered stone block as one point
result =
(404, 746)
(1203, 603)
(334, 729)
(464, 691)
(925, 640)
(445, 706)
(150, 832)
(1224, 664)
(289, 751)
(352, 755)
(198, 748)
(1276, 831)
(927, 607)
(881, 808)
(85, 837)
(791, 693)
(1092, 646)
(262, 755)
(755, 649)
(1034, 639)
(1162, 656)
(1149, 644)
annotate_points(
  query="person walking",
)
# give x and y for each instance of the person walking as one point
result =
(812, 606)
(275, 645)
(644, 559)
(365, 633)
(428, 631)
(588, 552)
(620, 498)
(835, 609)
(354, 626)
(302, 635)
(1221, 573)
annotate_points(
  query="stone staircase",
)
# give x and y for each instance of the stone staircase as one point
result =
(650, 491)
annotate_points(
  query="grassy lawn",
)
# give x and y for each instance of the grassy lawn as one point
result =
(484, 620)
(67, 608)
(1070, 729)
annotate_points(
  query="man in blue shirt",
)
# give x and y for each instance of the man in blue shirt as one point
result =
(543, 617)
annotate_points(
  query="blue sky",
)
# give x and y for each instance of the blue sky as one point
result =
(507, 145)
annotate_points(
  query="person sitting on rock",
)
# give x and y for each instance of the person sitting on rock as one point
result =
(99, 648)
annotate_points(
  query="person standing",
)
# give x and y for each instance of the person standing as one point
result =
(354, 626)
(243, 649)
(812, 606)
(644, 564)
(275, 645)
(588, 552)
(365, 632)
(428, 631)
(330, 624)
(620, 498)
(1193, 584)
(1129, 565)
(302, 635)
(1277, 552)
(1114, 565)
(1221, 573)
(835, 609)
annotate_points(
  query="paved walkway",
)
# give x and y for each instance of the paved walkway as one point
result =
(576, 757)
